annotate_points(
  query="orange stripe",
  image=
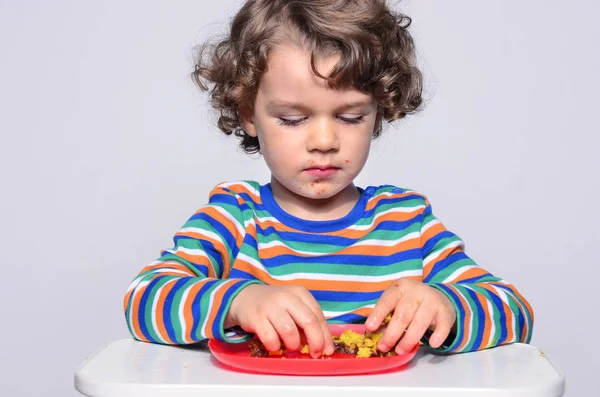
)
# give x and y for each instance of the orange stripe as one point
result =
(127, 298)
(216, 306)
(374, 202)
(271, 252)
(520, 304)
(487, 330)
(432, 232)
(510, 332)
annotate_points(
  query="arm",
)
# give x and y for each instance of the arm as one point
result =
(184, 296)
(490, 311)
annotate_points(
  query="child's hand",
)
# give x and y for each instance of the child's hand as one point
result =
(415, 307)
(276, 313)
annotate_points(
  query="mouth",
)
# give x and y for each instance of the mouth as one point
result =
(322, 171)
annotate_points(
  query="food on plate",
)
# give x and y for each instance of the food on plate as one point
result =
(361, 345)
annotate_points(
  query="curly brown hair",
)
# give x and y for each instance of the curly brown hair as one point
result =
(376, 53)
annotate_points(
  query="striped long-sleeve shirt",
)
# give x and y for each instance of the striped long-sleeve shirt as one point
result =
(242, 237)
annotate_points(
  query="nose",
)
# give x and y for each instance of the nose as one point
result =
(323, 137)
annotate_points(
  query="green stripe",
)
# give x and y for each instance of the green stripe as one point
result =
(343, 269)
(174, 315)
(332, 306)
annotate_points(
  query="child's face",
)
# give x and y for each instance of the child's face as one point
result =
(315, 140)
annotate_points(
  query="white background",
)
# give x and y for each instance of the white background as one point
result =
(107, 148)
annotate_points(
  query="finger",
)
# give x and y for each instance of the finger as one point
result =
(403, 315)
(312, 303)
(267, 335)
(384, 306)
(286, 328)
(444, 322)
(418, 325)
(306, 319)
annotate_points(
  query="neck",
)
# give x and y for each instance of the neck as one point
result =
(321, 209)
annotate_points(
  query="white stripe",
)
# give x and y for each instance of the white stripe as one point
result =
(246, 185)
(436, 254)
(490, 319)
(184, 296)
(137, 289)
(523, 310)
(231, 218)
(502, 295)
(429, 225)
(211, 300)
(468, 329)
(458, 272)
(156, 270)
(330, 277)
(168, 270)
(329, 314)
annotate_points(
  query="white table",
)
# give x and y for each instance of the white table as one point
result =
(130, 369)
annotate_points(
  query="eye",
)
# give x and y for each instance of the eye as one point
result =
(291, 122)
(352, 120)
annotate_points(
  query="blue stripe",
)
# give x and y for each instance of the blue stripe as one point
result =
(197, 310)
(473, 280)
(364, 260)
(168, 307)
(216, 326)
(237, 273)
(341, 296)
(520, 315)
(499, 306)
(443, 265)
(480, 318)
(461, 315)
(432, 242)
(227, 238)
(396, 226)
(222, 198)
(142, 308)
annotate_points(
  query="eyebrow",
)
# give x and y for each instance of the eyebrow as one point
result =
(280, 104)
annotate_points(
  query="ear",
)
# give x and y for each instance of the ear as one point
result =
(248, 121)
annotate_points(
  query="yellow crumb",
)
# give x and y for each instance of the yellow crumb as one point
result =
(304, 349)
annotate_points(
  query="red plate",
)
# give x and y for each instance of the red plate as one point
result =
(237, 356)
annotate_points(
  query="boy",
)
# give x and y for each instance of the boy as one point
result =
(308, 84)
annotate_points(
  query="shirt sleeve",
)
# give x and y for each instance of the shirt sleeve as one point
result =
(183, 296)
(490, 311)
